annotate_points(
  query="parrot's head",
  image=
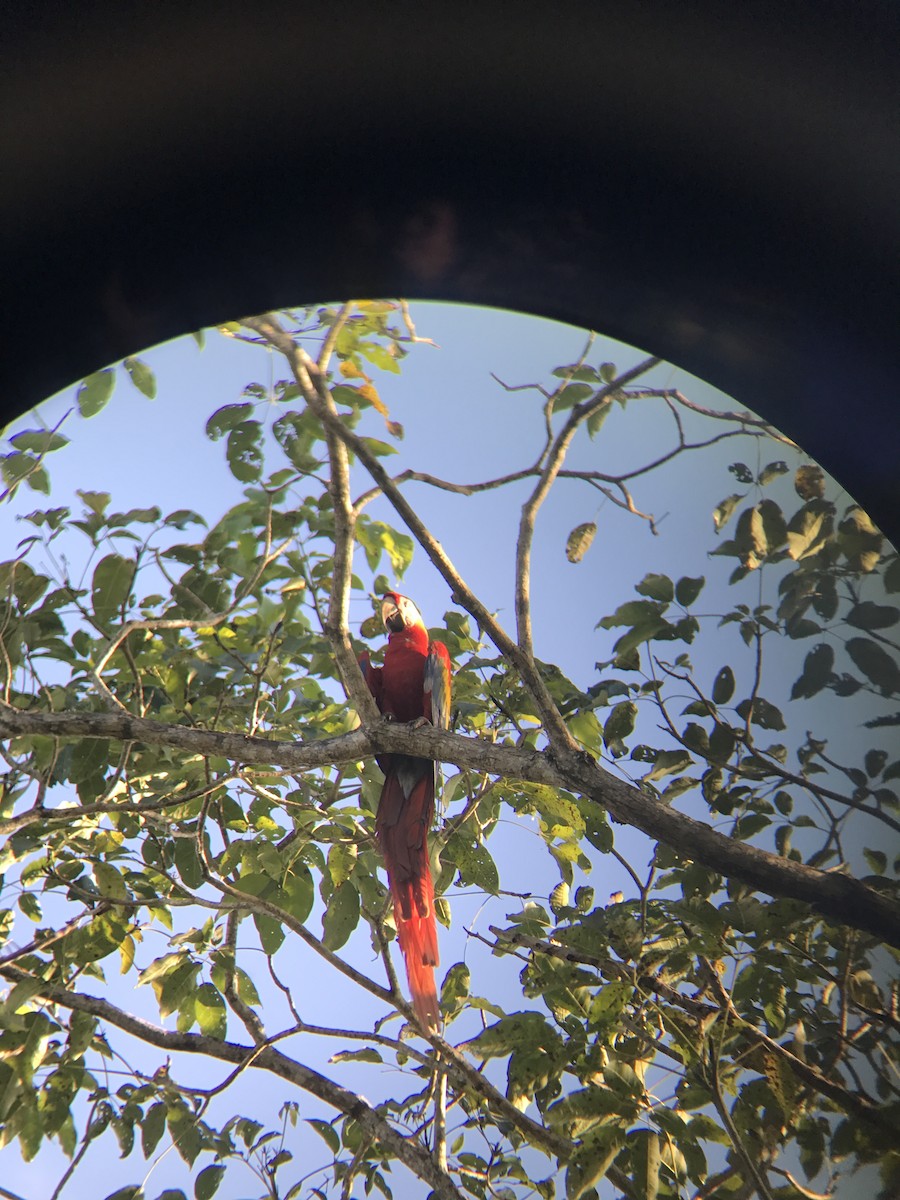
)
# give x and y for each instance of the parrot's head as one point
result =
(399, 613)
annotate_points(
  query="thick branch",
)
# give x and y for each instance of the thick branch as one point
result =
(842, 899)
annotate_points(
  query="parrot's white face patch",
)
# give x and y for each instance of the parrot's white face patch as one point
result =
(398, 612)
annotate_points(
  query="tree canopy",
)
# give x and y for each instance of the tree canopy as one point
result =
(189, 788)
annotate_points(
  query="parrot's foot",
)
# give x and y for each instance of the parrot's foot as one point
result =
(419, 723)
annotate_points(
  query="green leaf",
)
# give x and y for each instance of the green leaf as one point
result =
(876, 664)
(579, 541)
(227, 418)
(368, 1055)
(809, 482)
(877, 860)
(765, 715)
(772, 471)
(657, 587)
(475, 865)
(519, 1030)
(378, 448)
(96, 501)
(741, 472)
(620, 722)
(631, 612)
(342, 858)
(723, 686)
(724, 509)
(687, 589)
(297, 891)
(187, 862)
(803, 532)
(327, 1132)
(750, 537)
(207, 1182)
(341, 916)
(591, 1160)
(141, 376)
(669, 762)
(586, 728)
(646, 1157)
(875, 761)
(868, 615)
(153, 1127)
(377, 538)
(774, 525)
(88, 758)
(244, 451)
(209, 1009)
(110, 586)
(578, 374)
(574, 394)
(455, 990)
(559, 897)
(860, 541)
(94, 392)
(161, 967)
(642, 631)
(891, 576)
(29, 904)
(185, 1133)
(110, 883)
(271, 933)
(38, 441)
(817, 669)
(597, 418)
(133, 1191)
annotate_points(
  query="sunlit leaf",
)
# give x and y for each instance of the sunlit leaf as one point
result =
(94, 392)
(341, 916)
(809, 482)
(110, 586)
(142, 376)
(579, 541)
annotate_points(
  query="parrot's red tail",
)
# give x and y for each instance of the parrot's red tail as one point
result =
(417, 935)
(405, 813)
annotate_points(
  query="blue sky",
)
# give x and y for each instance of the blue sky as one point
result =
(459, 424)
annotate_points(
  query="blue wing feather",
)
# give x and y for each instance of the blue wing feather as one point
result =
(437, 685)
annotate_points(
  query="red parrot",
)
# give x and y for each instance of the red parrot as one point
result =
(413, 685)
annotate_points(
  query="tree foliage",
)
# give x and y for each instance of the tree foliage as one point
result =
(189, 792)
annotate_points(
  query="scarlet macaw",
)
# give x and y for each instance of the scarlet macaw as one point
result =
(413, 684)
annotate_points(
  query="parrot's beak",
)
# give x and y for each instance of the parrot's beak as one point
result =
(390, 615)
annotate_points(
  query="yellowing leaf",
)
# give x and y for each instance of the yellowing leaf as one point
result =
(350, 370)
(579, 541)
(369, 392)
(126, 951)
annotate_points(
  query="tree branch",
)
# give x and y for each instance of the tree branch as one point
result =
(551, 469)
(843, 900)
(267, 1058)
(311, 381)
(848, 1101)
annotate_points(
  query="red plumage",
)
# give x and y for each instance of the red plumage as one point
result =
(413, 684)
